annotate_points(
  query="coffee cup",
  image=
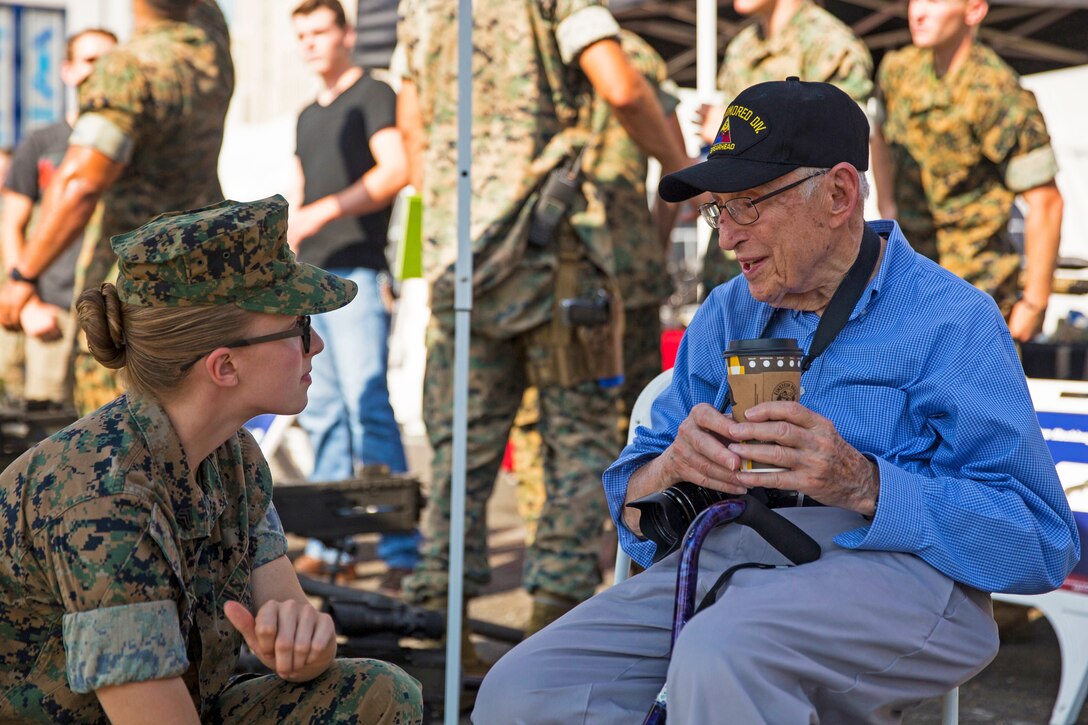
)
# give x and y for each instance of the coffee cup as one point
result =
(759, 371)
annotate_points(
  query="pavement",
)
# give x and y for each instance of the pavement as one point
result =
(1018, 688)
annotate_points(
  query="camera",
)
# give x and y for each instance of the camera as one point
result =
(667, 514)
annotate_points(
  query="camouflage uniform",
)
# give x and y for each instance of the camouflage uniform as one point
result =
(120, 575)
(118, 555)
(525, 111)
(617, 168)
(814, 46)
(962, 147)
(157, 104)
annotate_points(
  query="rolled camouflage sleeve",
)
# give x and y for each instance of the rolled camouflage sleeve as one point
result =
(1031, 160)
(580, 24)
(271, 542)
(113, 560)
(111, 101)
(116, 645)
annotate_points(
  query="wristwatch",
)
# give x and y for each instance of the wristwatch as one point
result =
(17, 276)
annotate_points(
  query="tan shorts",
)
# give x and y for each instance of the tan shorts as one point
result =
(47, 367)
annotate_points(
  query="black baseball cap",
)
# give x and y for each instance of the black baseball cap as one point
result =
(771, 129)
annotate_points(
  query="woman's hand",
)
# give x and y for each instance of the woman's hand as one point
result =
(292, 639)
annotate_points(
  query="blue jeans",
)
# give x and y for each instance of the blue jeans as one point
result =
(349, 418)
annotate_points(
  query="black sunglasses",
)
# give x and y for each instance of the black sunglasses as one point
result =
(301, 329)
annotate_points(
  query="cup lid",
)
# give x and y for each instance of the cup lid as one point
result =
(764, 346)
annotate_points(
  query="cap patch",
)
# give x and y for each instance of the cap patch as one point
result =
(753, 129)
(723, 141)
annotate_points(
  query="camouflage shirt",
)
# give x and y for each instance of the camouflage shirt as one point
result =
(814, 46)
(528, 91)
(962, 146)
(157, 104)
(616, 166)
(117, 559)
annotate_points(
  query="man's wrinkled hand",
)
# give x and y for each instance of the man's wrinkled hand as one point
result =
(290, 638)
(13, 298)
(818, 461)
(700, 452)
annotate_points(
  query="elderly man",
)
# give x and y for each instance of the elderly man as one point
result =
(914, 433)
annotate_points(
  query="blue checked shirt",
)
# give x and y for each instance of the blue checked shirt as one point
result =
(923, 379)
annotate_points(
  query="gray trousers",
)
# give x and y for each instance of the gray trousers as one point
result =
(857, 636)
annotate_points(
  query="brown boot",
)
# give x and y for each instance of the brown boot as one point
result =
(547, 608)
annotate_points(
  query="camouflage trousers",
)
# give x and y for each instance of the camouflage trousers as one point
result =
(578, 427)
(641, 362)
(368, 692)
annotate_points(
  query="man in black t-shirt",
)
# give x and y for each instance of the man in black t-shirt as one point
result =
(352, 164)
(45, 319)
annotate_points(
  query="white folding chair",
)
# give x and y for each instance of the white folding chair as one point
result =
(640, 415)
(1060, 405)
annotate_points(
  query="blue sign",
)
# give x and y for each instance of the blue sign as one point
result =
(42, 47)
(1066, 435)
(32, 48)
(8, 125)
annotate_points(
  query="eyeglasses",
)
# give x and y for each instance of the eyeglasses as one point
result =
(301, 329)
(742, 209)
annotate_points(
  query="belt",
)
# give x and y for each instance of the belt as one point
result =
(778, 499)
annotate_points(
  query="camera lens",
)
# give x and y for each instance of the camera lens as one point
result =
(667, 514)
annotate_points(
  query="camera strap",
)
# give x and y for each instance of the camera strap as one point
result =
(845, 298)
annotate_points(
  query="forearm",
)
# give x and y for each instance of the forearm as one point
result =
(992, 534)
(633, 102)
(13, 222)
(883, 175)
(167, 701)
(64, 214)
(410, 123)
(1042, 238)
(642, 118)
(650, 478)
(375, 191)
(665, 213)
(12, 247)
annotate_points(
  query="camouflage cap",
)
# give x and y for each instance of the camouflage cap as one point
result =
(233, 252)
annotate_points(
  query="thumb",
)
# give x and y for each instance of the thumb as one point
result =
(242, 620)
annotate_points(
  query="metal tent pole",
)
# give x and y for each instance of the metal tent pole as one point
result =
(706, 70)
(462, 320)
